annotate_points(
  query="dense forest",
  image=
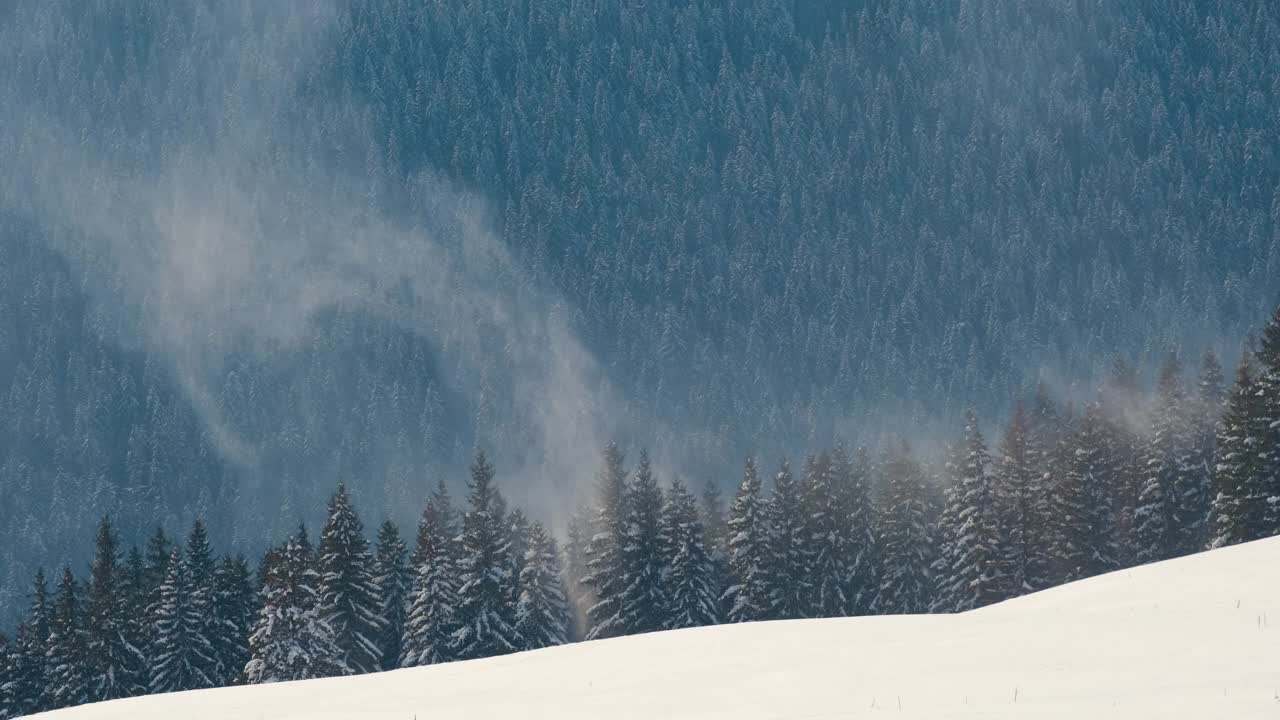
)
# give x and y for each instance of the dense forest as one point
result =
(1068, 494)
(251, 250)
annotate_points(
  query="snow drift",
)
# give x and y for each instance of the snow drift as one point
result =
(1188, 638)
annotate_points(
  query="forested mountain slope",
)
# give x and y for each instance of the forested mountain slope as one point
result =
(246, 251)
(1188, 638)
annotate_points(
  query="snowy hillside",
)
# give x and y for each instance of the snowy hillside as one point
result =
(1189, 638)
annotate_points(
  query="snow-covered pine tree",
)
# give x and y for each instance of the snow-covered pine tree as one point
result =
(577, 592)
(1084, 541)
(155, 569)
(860, 519)
(432, 615)
(945, 598)
(691, 597)
(1195, 506)
(349, 600)
(826, 535)
(1121, 407)
(8, 652)
(644, 599)
(183, 654)
(67, 679)
(484, 569)
(542, 613)
(1020, 499)
(1167, 472)
(291, 640)
(1047, 431)
(234, 610)
(132, 591)
(787, 548)
(715, 527)
(517, 525)
(607, 576)
(113, 665)
(200, 568)
(748, 594)
(390, 572)
(977, 571)
(905, 536)
(1240, 498)
(25, 684)
(1268, 425)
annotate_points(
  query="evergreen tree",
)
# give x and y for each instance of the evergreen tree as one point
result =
(67, 674)
(860, 521)
(1020, 498)
(113, 664)
(1124, 455)
(155, 569)
(977, 572)
(517, 525)
(432, 615)
(575, 572)
(1240, 496)
(1167, 477)
(1047, 433)
(1196, 505)
(234, 610)
(826, 535)
(25, 686)
(292, 640)
(691, 598)
(349, 600)
(748, 595)
(643, 599)
(183, 654)
(788, 559)
(607, 575)
(484, 574)
(1268, 425)
(1085, 545)
(716, 528)
(391, 574)
(542, 613)
(905, 537)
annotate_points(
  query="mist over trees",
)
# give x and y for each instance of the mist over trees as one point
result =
(772, 224)
(875, 531)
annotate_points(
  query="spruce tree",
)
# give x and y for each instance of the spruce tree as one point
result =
(715, 526)
(1167, 474)
(1084, 542)
(977, 571)
(1124, 455)
(1268, 424)
(484, 573)
(905, 537)
(26, 684)
(1196, 506)
(643, 599)
(748, 594)
(432, 615)
(349, 600)
(183, 654)
(542, 613)
(391, 574)
(1020, 499)
(67, 650)
(860, 520)
(291, 640)
(113, 664)
(607, 576)
(691, 598)
(788, 548)
(826, 535)
(155, 569)
(578, 593)
(1240, 498)
(234, 610)
(1047, 432)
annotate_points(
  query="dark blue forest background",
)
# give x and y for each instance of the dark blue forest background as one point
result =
(770, 225)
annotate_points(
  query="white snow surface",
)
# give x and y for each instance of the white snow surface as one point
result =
(1188, 638)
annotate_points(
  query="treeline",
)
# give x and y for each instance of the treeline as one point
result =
(1069, 493)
